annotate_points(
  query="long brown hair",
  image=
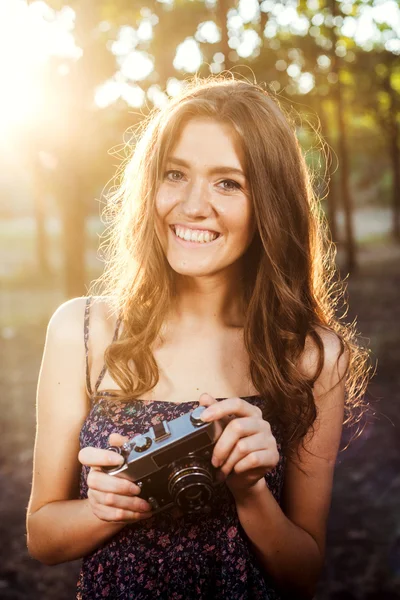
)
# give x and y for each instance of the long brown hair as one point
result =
(291, 289)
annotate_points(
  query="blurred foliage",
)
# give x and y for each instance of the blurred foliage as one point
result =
(368, 76)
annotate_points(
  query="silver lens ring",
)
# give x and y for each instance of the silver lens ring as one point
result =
(184, 472)
(202, 499)
(185, 478)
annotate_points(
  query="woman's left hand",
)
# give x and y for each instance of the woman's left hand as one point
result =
(246, 449)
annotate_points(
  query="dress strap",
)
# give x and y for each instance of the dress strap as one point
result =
(86, 338)
(104, 369)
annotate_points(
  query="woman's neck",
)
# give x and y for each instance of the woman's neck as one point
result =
(204, 302)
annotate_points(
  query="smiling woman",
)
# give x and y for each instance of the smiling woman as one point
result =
(217, 297)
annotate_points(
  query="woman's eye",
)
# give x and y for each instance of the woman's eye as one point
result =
(228, 185)
(171, 175)
(232, 185)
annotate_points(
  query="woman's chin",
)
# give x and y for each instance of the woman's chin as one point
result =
(189, 270)
(194, 273)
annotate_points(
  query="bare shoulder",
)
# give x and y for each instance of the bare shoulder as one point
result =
(67, 322)
(65, 334)
(335, 360)
(64, 349)
(103, 317)
(67, 319)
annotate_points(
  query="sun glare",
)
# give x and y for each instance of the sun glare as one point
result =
(29, 34)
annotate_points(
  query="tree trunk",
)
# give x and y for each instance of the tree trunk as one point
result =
(221, 16)
(263, 21)
(344, 182)
(344, 169)
(332, 192)
(73, 211)
(395, 159)
(42, 252)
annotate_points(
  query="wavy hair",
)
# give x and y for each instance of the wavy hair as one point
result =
(291, 286)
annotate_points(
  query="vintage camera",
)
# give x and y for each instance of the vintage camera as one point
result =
(171, 463)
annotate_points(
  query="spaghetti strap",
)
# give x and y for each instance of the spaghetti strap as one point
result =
(86, 339)
(104, 369)
(91, 392)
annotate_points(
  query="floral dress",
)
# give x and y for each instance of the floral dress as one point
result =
(171, 556)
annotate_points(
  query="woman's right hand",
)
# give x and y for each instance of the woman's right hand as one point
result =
(112, 498)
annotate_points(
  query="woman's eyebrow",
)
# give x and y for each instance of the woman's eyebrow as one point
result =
(212, 170)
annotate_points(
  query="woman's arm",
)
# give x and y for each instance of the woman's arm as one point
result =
(60, 527)
(290, 543)
(66, 530)
(288, 553)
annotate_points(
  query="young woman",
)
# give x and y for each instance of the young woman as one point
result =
(217, 295)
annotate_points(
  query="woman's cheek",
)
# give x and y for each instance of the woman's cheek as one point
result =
(164, 201)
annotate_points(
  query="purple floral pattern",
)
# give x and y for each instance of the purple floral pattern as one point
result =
(171, 555)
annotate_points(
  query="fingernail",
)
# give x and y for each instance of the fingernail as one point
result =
(117, 459)
(215, 461)
(208, 414)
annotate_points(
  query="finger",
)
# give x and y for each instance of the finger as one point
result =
(111, 500)
(260, 462)
(117, 515)
(115, 439)
(231, 406)
(207, 400)
(244, 446)
(233, 432)
(98, 480)
(97, 457)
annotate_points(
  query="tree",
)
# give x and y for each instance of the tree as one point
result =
(378, 97)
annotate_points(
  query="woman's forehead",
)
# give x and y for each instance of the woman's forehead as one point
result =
(207, 137)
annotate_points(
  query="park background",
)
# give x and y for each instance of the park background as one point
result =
(76, 77)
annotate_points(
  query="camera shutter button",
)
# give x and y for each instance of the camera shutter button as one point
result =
(141, 443)
(195, 416)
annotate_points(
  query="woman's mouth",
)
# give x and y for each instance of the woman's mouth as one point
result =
(194, 237)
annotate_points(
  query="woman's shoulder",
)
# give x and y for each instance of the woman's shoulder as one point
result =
(323, 347)
(74, 316)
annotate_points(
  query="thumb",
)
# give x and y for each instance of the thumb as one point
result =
(115, 439)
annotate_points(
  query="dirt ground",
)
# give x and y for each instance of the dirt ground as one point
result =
(363, 546)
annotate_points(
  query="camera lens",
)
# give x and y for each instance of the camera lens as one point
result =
(191, 485)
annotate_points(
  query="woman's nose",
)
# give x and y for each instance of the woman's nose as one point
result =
(196, 202)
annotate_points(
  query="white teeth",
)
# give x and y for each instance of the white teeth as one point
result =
(191, 235)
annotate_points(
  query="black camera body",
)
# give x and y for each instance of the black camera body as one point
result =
(171, 463)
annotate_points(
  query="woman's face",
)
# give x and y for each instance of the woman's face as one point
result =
(204, 213)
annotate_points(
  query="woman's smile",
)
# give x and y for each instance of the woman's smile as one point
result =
(194, 238)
